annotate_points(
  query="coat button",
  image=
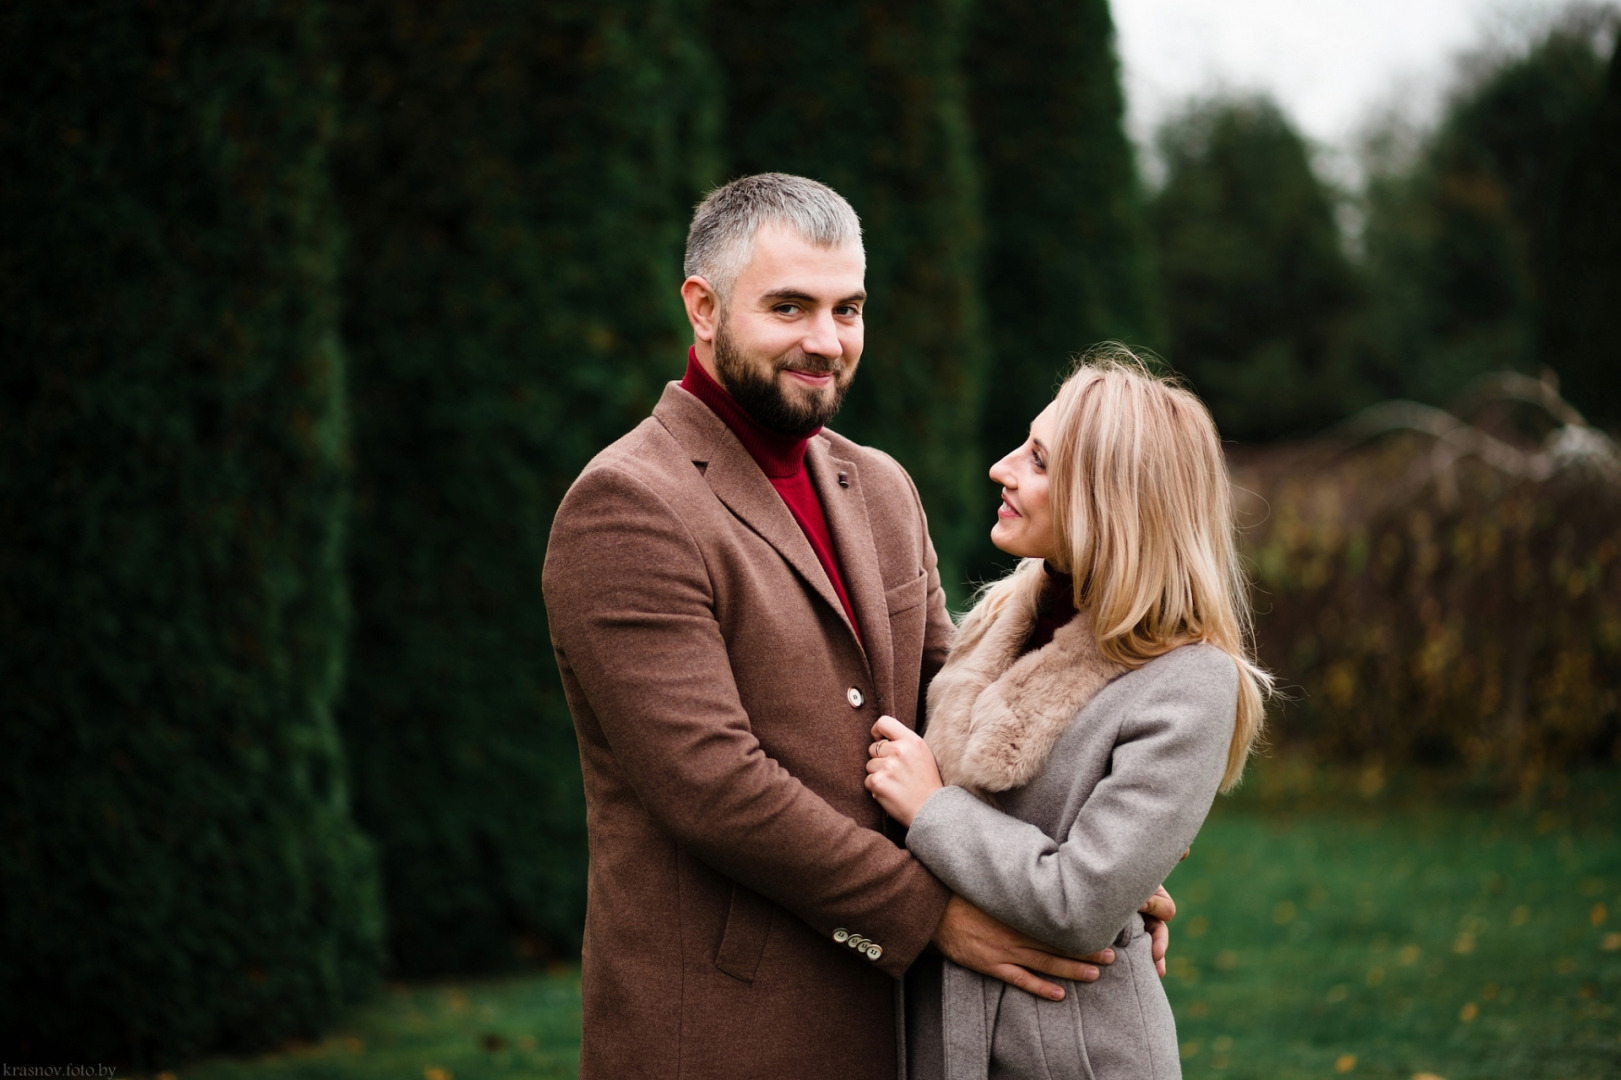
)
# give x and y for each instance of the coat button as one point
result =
(854, 697)
(841, 935)
(874, 952)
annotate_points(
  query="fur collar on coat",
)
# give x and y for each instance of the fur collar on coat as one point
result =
(994, 716)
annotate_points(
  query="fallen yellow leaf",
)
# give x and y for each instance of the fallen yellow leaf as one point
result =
(1345, 1063)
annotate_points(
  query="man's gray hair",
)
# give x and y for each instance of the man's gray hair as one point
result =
(721, 239)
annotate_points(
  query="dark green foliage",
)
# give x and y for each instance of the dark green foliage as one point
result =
(1258, 291)
(1585, 297)
(868, 97)
(1066, 260)
(178, 867)
(1461, 242)
(516, 180)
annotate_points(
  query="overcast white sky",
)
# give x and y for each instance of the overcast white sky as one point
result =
(1329, 63)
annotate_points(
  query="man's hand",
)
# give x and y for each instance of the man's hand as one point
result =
(1158, 910)
(973, 939)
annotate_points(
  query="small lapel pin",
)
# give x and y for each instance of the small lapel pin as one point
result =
(844, 480)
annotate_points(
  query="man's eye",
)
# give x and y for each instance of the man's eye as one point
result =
(849, 311)
(786, 309)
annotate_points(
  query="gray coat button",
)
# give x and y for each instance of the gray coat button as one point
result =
(874, 952)
(841, 935)
(854, 697)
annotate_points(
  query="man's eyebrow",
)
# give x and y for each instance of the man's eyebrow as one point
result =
(777, 296)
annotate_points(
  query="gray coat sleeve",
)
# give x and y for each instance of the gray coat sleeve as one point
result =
(1173, 722)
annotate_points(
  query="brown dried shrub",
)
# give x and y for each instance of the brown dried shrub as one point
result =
(1438, 591)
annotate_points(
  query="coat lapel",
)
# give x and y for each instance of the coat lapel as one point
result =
(737, 481)
(846, 510)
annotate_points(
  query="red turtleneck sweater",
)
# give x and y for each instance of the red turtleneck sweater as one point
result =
(782, 459)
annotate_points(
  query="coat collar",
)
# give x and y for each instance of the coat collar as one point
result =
(735, 478)
(995, 716)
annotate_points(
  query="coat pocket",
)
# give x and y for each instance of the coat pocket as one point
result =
(742, 942)
(907, 595)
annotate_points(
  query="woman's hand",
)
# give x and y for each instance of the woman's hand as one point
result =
(901, 772)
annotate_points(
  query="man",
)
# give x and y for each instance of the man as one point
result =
(735, 596)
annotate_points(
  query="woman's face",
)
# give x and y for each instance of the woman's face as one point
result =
(1024, 523)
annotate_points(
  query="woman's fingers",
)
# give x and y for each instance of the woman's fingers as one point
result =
(888, 727)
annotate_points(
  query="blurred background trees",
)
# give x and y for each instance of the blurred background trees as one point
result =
(314, 313)
(1462, 237)
(1256, 280)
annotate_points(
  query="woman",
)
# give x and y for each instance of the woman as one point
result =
(1094, 702)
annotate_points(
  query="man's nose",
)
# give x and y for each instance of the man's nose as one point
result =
(822, 336)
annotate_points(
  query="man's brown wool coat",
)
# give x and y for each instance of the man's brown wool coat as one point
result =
(748, 914)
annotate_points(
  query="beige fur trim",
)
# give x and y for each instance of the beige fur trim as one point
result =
(994, 716)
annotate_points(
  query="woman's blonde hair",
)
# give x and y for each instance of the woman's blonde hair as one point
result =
(1142, 513)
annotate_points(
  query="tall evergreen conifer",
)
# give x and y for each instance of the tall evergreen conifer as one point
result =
(868, 97)
(1067, 251)
(1258, 290)
(1579, 341)
(516, 178)
(1463, 247)
(179, 871)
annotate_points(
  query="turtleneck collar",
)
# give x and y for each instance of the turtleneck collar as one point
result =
(1056, 607)
(778, 455)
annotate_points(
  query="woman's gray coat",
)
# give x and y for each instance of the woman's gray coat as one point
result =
(1100, 778)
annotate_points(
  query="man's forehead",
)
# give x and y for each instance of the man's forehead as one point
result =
(782, 259)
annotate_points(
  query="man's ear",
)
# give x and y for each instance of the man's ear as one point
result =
(703, 307)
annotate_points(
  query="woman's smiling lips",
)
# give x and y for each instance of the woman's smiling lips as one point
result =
(1006, 510)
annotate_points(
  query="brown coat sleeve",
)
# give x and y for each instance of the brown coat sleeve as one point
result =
(632, 608)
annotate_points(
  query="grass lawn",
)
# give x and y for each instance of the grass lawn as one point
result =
(1386, 934)
(1328, 927)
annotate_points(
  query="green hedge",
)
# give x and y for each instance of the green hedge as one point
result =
(516, 180)
(178, 868)
(869, 97)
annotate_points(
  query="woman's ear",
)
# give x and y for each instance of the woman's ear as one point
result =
(703, 307)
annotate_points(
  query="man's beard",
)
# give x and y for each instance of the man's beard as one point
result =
(758, 393)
